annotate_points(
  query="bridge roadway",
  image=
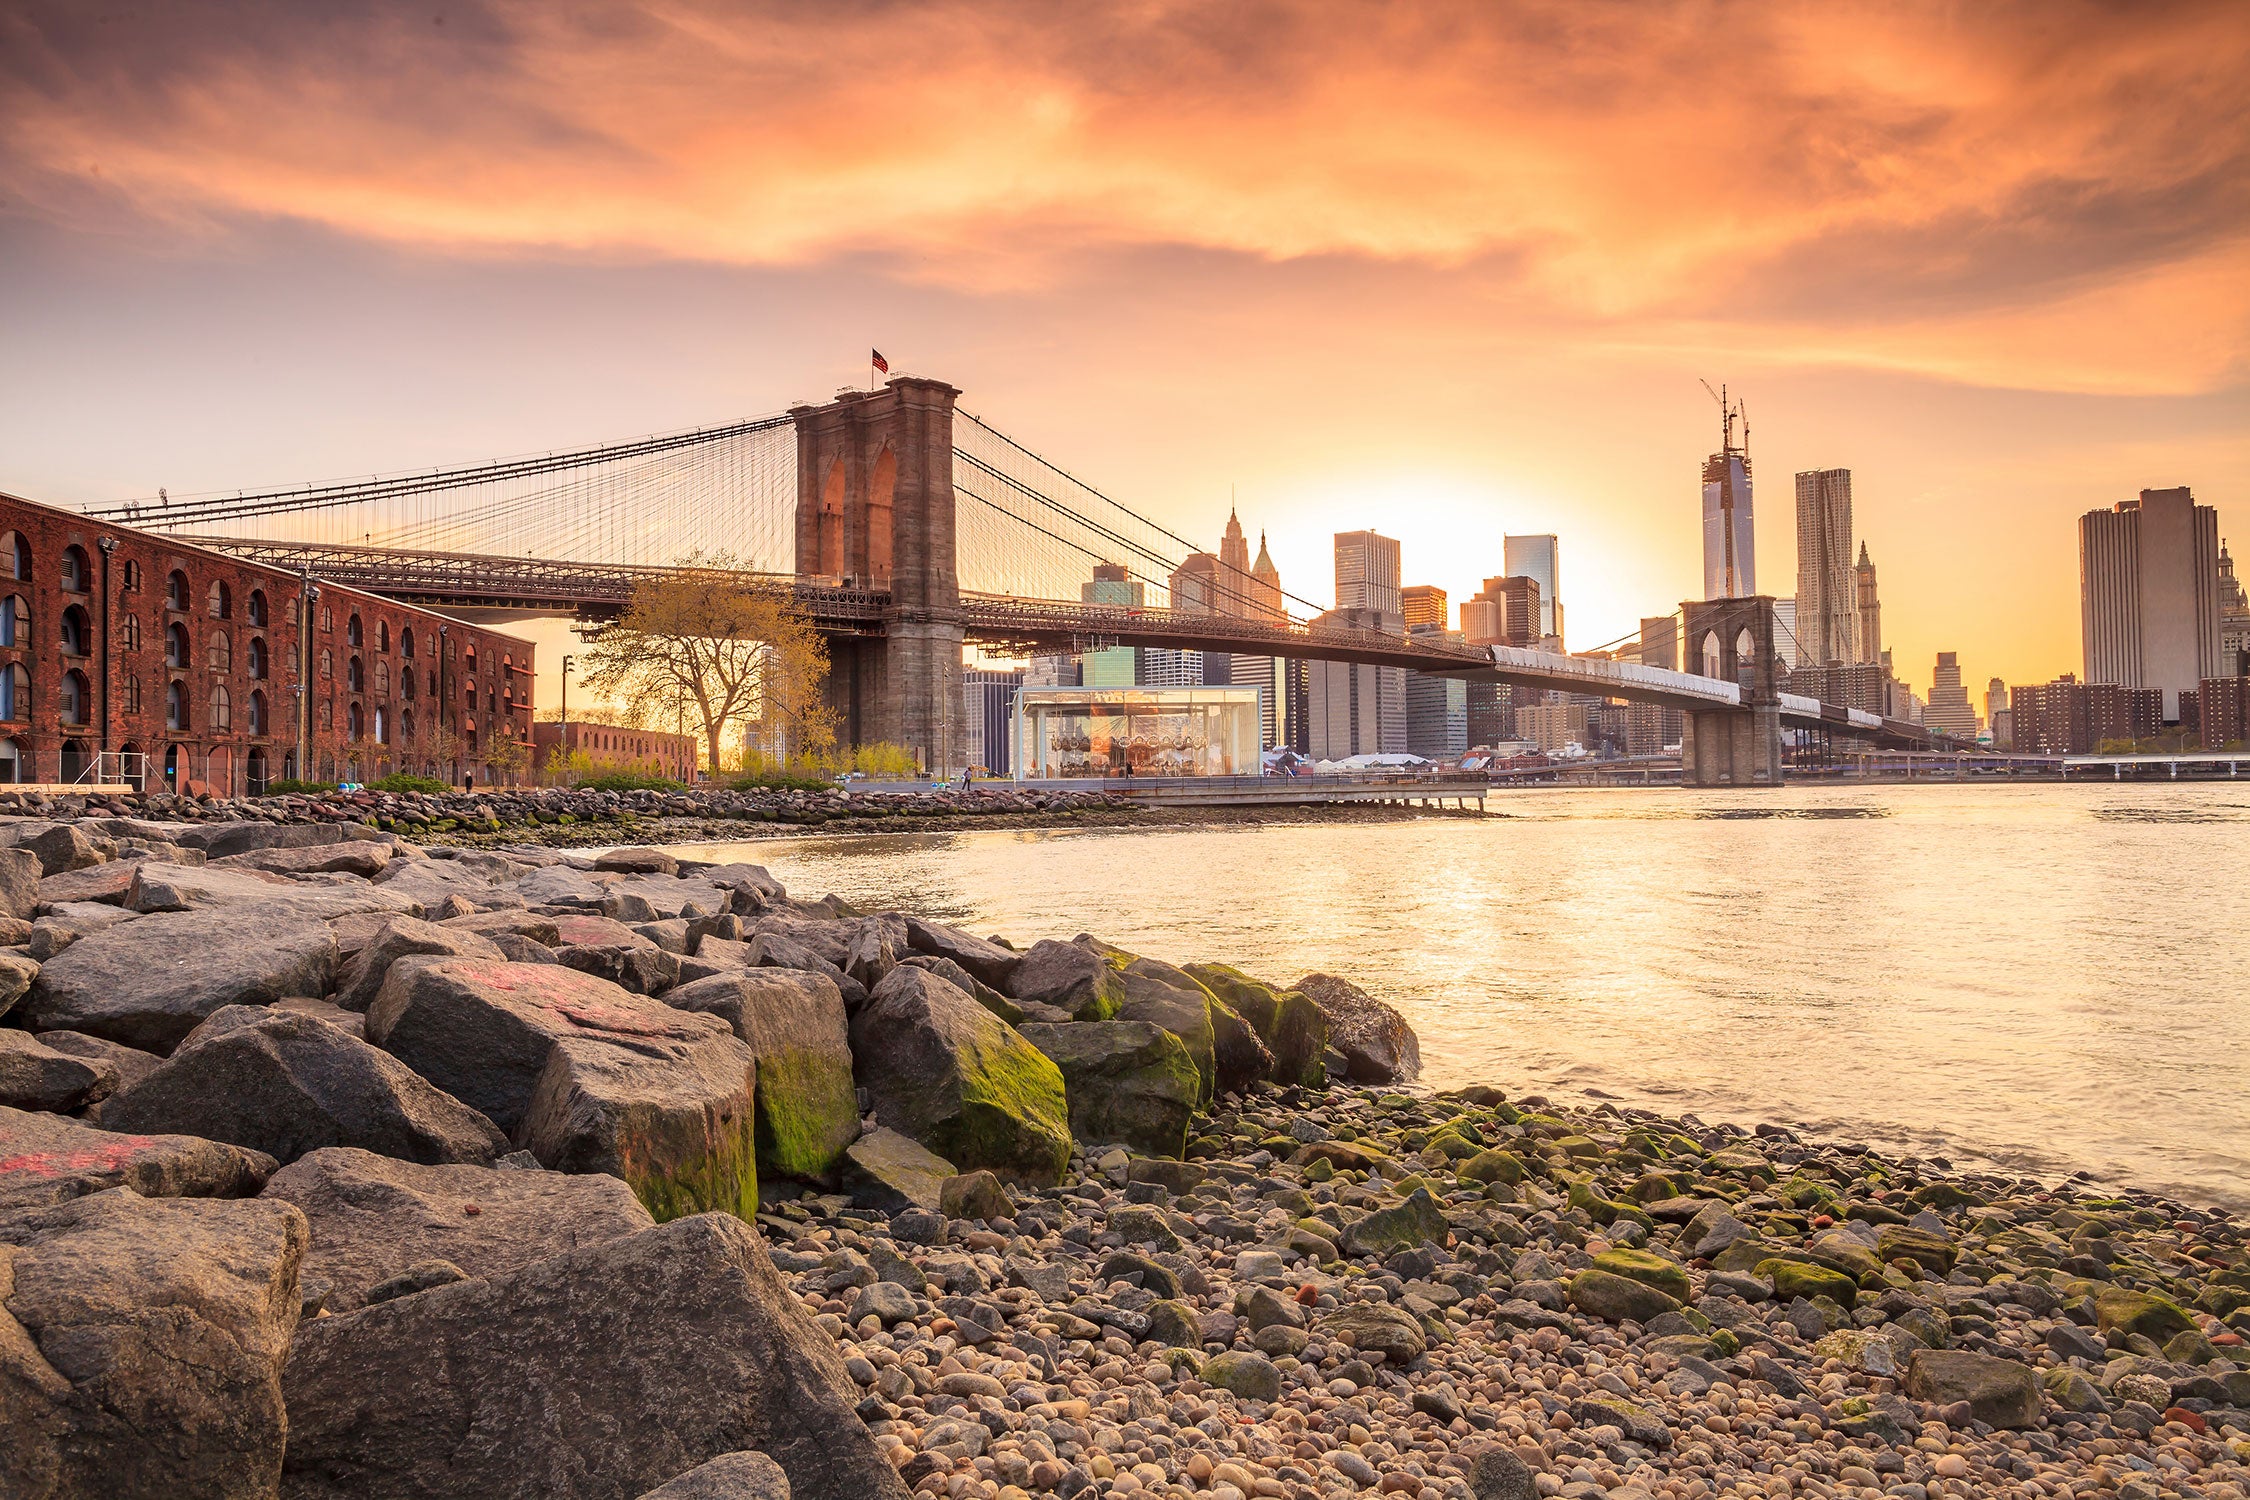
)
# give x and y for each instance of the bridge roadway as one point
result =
(1029, 626)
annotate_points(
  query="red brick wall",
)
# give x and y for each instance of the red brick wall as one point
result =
(606, 745)
(116, 638)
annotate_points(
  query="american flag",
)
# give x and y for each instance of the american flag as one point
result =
(875, 357)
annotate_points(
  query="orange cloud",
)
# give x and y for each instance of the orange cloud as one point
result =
(2050, 194)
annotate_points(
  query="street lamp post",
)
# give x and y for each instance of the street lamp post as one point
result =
(566, 661)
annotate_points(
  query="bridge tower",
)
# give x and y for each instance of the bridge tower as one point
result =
(1732, 640)
(875, 511)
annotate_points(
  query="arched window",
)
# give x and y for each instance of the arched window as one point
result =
(469, 734)
(1745, 650)
(257, 713)
(222, 708)
(382, 726)
(327, 619)
(175, 705)
(256, 609)
(382, 635)
(75, 570)
(16, 552)
(77, 632)
(352, 631)
(469, 695)
(222, 652)
(177, 652)
(77, 698)
(406, 642)
(257, 657)
(14, 764)
(222, 600)
(15, 694)
(15, 621)
(355, 675)
(327, 716)
(382, 675)
(469, 662)
(130, 688)
(433, 682)
(130, 632)
(406, 683)
(1711, 653)
(176, 590)
(327, 663)
(406, 723)
(355, 722)
(132, 576)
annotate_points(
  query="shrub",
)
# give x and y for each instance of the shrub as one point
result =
(628, 781)
(401, 781)
(290, 786)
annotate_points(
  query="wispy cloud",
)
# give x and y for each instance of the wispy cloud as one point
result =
(2053, 194)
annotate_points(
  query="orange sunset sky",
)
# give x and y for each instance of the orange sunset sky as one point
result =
(1444, 270)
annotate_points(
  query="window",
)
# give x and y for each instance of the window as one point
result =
(176, 591)
(382, 726)
(15, 694)
(222, 707)
(177, 652)
(327, 619)
(469, 663)
(132, 576)
(17, 552)
(406, 643)
(131, 630)
(327, 716)
(130, 691)
(382, 635)
(75, 570)
(15, 622)
(469, 693)
(77, 698)
(257, 657)
(355, 722)
(327, 663)
(352, 632)
(175, 705)
(355, 676)
(255, 611)
(222, 652)
(222, 601)
(406, 723)
(76, 632)
(406, 683)
(257, 713)
(433, 682)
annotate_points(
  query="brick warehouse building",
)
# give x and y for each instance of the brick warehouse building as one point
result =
(188, 664)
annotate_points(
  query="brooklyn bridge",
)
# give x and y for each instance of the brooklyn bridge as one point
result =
(908, 529)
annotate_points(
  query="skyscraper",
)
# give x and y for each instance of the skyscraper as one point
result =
(2149, 593)
(1197, 588)
(1870, 624)
(2234, 620)
(1113, 666)
(1997, 715)
(1538, 557)
(1730, 560)
(1826, 624)
(1234, 567)
(1949, 710)
(1261, 600)
(1422, 604)
(1786, 642)
(1367, 572)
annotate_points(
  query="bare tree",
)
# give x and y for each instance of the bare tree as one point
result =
(704, 644)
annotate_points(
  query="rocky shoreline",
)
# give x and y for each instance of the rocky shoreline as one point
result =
(335, 1165)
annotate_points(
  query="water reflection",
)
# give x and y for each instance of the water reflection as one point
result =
(2049, 977)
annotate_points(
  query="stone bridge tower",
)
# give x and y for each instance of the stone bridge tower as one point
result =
(875, 511)
(1732, 640)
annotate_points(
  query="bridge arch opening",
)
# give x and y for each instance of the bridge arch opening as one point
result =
(1711, 667)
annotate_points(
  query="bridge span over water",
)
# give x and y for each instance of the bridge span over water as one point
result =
(906, 529)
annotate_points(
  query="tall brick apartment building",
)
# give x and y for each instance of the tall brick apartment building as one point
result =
(221, 674)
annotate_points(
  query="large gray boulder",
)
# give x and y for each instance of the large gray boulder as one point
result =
(161, 888)
(131, 1063)
(793, 1022)
(598, 1373)
(1291, 1026)
(1378, 1045)
(149, 983)
(1129, 1083)
(46, 1159)
(57, 846)
(885, 1170)
(946, 1072)
(285, 1083)
(20, 875)
(1071, 977)
(16, 974)
(730, 1476)
(404, 937)
(421, 886)
(141, 1346)
(671, 1115)
(1164, 995)
(33, 1077)
(361, 857)
(482, 1030)
(987, 960)
(787, 948)
(373, 1217)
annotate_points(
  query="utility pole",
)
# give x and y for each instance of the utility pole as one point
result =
(308, 595)
(567, 660)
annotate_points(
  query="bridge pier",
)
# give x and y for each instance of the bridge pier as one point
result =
(875, 510)
(1732, 640)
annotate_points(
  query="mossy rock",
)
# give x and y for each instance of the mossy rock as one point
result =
(1650, 1270)
(722, 1178)
(2120, 1310)
(1792, 1279)
(1130, 1082)
(1606, 1211)
(1605, 1294)
(1943, 1195)
(1453, 1144)
(1493, 1166)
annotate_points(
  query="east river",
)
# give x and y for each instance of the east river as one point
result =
(2052, 978)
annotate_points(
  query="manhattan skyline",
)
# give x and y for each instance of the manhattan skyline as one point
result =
(1456, 280)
